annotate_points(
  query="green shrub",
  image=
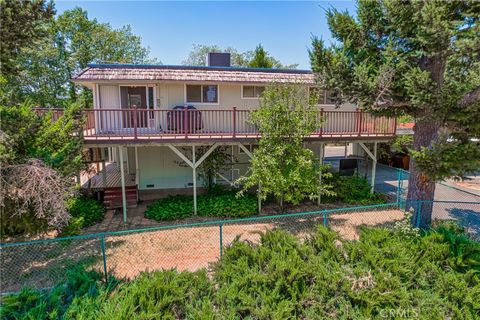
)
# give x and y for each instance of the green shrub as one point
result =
(433, 275)
(225, 204)
(73, 228)
(158, 295)
(353, 190)
(91, 210)
(51, 304)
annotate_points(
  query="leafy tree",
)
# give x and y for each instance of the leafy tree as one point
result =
(69, 43)
(38, 158)
(23, 24)
(413, 58)
(281, 165)
(198, 55)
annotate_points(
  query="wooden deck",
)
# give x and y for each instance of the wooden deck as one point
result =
(137, 126)
(112, 179)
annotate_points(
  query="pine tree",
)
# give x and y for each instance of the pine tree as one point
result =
(416, 58)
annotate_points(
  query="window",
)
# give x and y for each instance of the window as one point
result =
(252, 92)
(202, 93)
(324, 97)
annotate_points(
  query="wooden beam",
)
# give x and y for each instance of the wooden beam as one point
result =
(194, 174)
(247, 152)
(370, 154)
(180, 154)
(209, 151)
(374, 166)
(225, 179)
(124, 194)
(137, 175)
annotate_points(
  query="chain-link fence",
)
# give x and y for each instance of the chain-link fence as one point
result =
(394, 183)
(124, 254)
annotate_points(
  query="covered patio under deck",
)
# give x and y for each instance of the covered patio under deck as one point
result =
(112, 178)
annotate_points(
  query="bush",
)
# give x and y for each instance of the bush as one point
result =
(91, 210)
(433, 275)
(158, 295)
(52, 304)
(353, 190)
(225, 204)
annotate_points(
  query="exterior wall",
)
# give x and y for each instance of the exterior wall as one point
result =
(160, 168)
(170, 95)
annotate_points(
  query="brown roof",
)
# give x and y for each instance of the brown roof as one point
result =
(102, 72)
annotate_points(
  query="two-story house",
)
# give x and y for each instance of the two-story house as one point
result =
(148, 118)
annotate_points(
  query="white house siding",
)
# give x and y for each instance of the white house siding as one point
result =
(159, 169)
(172, 94)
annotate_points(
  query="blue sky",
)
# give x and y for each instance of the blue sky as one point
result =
(171, 28)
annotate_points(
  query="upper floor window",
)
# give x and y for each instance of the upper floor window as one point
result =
(324, 96)
(252, 91)
(204, 93)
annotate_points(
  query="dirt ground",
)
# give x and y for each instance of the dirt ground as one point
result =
(183, 248)
(194, 248)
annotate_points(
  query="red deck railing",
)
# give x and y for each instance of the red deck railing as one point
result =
(185, 124)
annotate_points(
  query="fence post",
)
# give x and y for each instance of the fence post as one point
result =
(419, 213)
(234, 121)
(221, 239)
(325, 217)
(399, 193)
(104, 256)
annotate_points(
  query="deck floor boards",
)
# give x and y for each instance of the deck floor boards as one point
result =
(113, 178)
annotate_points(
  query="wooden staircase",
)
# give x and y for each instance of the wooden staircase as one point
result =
(112, 198)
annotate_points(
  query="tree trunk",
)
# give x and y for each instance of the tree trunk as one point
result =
(420, 186)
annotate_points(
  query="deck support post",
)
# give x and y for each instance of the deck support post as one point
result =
(346, 150)
(137, 177)
(122, 175)
(374, 162)
(104, 169)
(320, 154)
(137, 173)
(374, 165)
(194, 173)
(194, 165)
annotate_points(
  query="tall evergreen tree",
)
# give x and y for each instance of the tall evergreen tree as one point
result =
(260, 58)
(417, 58)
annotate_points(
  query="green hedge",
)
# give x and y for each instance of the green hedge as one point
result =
(435, 275)
(353, 190)
(85, 212)
(220, 205)
(91, 210)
